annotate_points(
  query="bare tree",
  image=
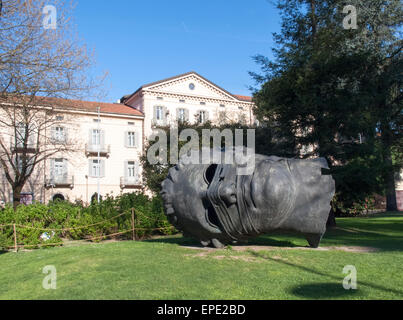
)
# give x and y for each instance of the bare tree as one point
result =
(40, 59)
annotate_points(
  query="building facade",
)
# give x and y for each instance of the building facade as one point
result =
(188, 97)
(109, 141)
(107, 145)
(104, 148)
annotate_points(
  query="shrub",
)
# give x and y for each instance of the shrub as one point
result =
(39, 225)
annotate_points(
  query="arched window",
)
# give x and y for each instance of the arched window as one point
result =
(94, 198)
(58, 197)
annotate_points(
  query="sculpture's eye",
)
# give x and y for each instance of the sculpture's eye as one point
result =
(210, 172)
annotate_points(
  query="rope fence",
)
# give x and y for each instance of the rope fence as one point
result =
(134, 221)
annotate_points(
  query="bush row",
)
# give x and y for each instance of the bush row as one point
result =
(81, 222)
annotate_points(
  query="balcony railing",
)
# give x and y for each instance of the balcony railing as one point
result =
(62, 181)
(93, 149)
(130, 182)
(158, 123)
(19, 147)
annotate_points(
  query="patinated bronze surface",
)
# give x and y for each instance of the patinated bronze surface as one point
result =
(217, 206)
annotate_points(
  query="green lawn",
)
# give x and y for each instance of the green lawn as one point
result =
(167, 269)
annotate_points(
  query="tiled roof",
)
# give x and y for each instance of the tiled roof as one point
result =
(115, 108)
(243, 98)
(129, 96)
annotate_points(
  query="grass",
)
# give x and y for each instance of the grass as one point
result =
(166, 268)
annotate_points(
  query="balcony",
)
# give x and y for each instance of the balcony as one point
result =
(62, 181)
(93, 149)
(130, 183)
(158, 123)
(19, 147)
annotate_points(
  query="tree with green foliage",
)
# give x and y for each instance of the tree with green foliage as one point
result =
(337, 87)
(154, 174)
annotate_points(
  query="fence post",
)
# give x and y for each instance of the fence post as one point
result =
(15, 239)
(133, 225)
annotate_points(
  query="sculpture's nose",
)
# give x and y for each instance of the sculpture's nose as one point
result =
(228, 194)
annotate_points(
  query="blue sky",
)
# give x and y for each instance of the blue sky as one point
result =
(144, 41)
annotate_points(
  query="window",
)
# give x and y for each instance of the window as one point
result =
(181, 115)
(59, 118)
(20, 163)
(59, 168)
(96, 137)
(20, 132)
(58, 197)
(159, 113)
(131, 169)
(131, 139)
(222, 116)
(95, 168)
(202, 116)
(97, 120)
(59, 134)
(182, 101)
(203, 103)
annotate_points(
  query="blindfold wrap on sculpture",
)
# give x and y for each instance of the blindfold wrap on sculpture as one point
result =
(216, 205)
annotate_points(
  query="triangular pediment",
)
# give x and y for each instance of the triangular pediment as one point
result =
(190, 84)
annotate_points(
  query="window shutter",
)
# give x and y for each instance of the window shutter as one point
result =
(137, 139)
(102, 168)
(102, 137)
(66, 134)
(53, 133)
(90, 137)
(126, 139)
(52, 168)
(136, 170)
(90, 173)
(155, 113)
(164, 115)
(126, 168)
(186, 114)
(198, 116)
(206, 115)
(32, 138)
(178, 113)
(65, 167)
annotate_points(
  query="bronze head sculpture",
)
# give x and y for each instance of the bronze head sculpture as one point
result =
(218, 206)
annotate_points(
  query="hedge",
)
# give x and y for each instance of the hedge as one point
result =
(92, 223)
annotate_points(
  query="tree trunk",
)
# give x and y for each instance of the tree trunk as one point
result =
(389, 176)
(313, 19)
(16, 196)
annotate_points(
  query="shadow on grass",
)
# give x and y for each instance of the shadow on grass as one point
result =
(383, 233)
(366, 235)
(189, 242)
(323, 291)
(320, 273)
